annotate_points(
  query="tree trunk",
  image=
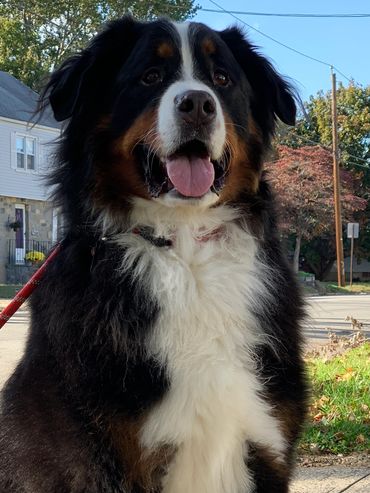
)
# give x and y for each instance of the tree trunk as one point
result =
(326, 269)
(297, 250)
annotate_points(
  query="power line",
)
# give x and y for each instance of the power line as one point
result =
(310, 141)
(359, 158)
(327, 64)
(305, 55)
(273, 14)
(341, 150)
(359, 165)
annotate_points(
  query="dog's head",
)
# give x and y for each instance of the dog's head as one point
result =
(176, 113)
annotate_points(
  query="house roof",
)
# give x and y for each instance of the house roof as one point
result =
(18, 101)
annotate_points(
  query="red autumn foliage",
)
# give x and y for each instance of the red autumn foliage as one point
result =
(302, 179)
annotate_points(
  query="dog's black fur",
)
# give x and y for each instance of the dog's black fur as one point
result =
(85, 368)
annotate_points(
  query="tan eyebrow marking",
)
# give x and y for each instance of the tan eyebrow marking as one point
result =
(165, 50)
(208, 46)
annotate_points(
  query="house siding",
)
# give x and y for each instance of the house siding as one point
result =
(18, 183)
(361, 270)
(26, 188)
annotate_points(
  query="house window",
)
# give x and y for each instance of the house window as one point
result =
(26, 152)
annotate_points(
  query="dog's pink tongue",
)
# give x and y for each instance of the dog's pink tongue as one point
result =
(191, 176)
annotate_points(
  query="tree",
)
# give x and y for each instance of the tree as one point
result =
(303, 182)
(20, 54)
(37, 35)
(315, 125)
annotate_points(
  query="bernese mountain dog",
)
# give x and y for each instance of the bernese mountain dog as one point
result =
(164, 353)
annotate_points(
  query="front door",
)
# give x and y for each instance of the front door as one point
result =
(20, 234)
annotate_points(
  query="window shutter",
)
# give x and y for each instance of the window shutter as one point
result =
(38, 155)
(13, 150)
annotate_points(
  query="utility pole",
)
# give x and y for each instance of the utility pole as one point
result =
(337, 206)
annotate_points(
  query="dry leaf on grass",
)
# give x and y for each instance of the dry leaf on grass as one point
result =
(360, 439)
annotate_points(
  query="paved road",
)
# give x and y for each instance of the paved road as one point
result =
(12, 339)
(323, 311)
(331, 311)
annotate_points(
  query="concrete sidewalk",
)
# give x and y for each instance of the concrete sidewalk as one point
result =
(331, 479)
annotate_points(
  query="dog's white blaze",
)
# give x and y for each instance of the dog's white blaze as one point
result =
(187, 59)
(168, 126)
(205, 336)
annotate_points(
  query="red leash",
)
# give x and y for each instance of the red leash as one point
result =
(27, 289)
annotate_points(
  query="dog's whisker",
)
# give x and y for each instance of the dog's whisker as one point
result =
(236, 125)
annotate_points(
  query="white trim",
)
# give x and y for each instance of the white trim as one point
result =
(24, 197)
(30, 125)
(54, 231)
(20, 253)
(13, 162)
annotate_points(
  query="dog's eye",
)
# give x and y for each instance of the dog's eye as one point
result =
(221, 78)
(151, 76)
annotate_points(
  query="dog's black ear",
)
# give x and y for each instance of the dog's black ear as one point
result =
(271, 94)
(65, 85)
(79, 77)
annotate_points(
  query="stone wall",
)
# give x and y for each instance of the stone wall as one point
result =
(38, 219)
(19, 274)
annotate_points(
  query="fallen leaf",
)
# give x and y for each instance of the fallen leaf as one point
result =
(339, 436)
(314, 447)
(360, 439)
(344, 377)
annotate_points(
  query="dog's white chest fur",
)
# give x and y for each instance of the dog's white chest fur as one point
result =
(205, 337)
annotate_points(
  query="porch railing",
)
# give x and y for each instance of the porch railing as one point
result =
(26, 252)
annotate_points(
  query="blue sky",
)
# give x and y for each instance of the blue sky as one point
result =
(342, 42)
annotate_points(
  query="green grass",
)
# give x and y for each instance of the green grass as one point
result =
(339, 414)
(309, 290)
(302, 273)
(357, 287)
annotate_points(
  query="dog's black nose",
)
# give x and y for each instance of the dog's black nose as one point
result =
(196, 107)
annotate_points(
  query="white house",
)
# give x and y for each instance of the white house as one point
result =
(28, 222)
(361, 270)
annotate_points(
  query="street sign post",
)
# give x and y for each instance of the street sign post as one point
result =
(353, 231)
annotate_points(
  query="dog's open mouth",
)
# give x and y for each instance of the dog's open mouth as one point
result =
(189, 171)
